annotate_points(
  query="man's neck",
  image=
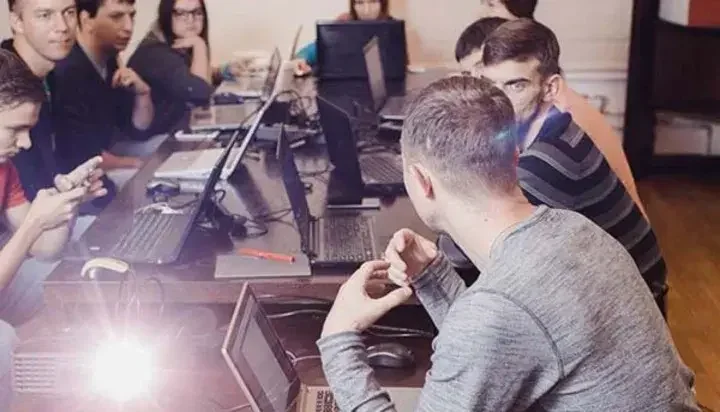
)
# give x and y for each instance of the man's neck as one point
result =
(533, 129)
(476, 230)
(39, 65)
(95, 51)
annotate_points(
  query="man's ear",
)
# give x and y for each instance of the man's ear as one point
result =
(84, 21)
(552, 88)
(16, 25)
(422, 177)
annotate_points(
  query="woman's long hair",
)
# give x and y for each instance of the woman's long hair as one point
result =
(384, 10)
(165, 19)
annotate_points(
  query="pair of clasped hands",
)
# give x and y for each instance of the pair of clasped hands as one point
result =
(354, 310)
(56, 206)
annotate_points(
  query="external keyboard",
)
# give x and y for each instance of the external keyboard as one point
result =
(381, 169)
(348, 238)
(153, 238)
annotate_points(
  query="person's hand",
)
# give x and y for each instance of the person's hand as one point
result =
(51, 208)
(88, 175)
(354, 310)
(408, 254)
(302, 68)
(127, 78)
(189, 42)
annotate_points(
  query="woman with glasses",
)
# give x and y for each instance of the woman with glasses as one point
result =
(174, 59)
(358, 10)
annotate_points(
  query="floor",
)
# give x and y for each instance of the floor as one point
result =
(685, 213)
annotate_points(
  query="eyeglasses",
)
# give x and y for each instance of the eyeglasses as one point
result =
(364, 2)
(188, 14)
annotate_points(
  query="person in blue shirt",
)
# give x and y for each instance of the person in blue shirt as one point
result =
(358, 10)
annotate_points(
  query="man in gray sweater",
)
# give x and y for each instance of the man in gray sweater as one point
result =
(559, 320)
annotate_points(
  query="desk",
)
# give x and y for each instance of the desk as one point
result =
(191, 280)
(199, 380)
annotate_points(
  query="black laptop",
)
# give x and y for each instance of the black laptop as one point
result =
(337, 239)
(379, 174)
(387, 107)
(340, 48)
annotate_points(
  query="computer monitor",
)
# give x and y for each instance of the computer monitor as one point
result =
(253, 351)
(340, 48)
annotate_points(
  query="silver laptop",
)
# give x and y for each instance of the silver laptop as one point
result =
(388, 107)
(224, 117)
(260, 87)
(265, 373)
(197, 164)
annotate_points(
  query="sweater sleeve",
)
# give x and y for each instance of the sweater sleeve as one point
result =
(490, 355)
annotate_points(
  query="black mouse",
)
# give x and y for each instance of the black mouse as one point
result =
(390, 355)
(165, 187)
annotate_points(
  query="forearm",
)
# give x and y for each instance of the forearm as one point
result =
(143, 111)
(438, 287)
(351, 379)
(51, 242)
(15, 251)
(200, 65)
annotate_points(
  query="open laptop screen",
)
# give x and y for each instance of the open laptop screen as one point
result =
(340, 47)
(273, 74)
(253, 352)
(295, 190)
(338, 131)
(376, 76)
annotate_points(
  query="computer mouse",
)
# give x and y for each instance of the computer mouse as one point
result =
(105, 270)
(161, 186)
(390, 355)
(227, 98)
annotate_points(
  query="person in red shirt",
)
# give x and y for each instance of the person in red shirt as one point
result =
(40, 228)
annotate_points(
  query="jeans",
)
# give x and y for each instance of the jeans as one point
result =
(19, 302)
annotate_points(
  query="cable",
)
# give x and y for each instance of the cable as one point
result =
(295, 299)
(297, 312)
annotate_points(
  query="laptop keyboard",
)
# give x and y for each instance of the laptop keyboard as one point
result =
(325, 402)
(153, 237)
(348, 238)
(380, 169)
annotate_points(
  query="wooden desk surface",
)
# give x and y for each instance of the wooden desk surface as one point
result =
(255, 187)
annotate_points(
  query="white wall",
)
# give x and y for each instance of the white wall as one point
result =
(593, 34)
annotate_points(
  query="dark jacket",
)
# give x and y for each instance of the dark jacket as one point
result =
(174, 87)
(36, 166)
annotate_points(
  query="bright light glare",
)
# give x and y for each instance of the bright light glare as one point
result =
(122, 370)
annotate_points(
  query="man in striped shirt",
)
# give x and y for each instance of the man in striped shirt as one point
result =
(559, 165)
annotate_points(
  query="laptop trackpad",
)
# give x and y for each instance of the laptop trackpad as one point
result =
(242, 267)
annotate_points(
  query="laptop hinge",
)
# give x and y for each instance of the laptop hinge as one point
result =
(314, 245)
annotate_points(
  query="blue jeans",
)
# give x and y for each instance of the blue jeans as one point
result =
(19, 302)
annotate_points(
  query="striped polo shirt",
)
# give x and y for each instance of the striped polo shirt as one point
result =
(564, 169)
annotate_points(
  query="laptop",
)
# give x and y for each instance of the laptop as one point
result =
(337, 239)
(235, 116)
(388, 108)
(197, 164)
(266, 375)
(256, 87)
(340, 47)
(378, 173)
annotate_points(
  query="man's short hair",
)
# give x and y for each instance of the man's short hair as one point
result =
(463, 128)
(12, 3)
(472, 38)
(18, 84)
(521, 8)
(92, 6)
(523, 40)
